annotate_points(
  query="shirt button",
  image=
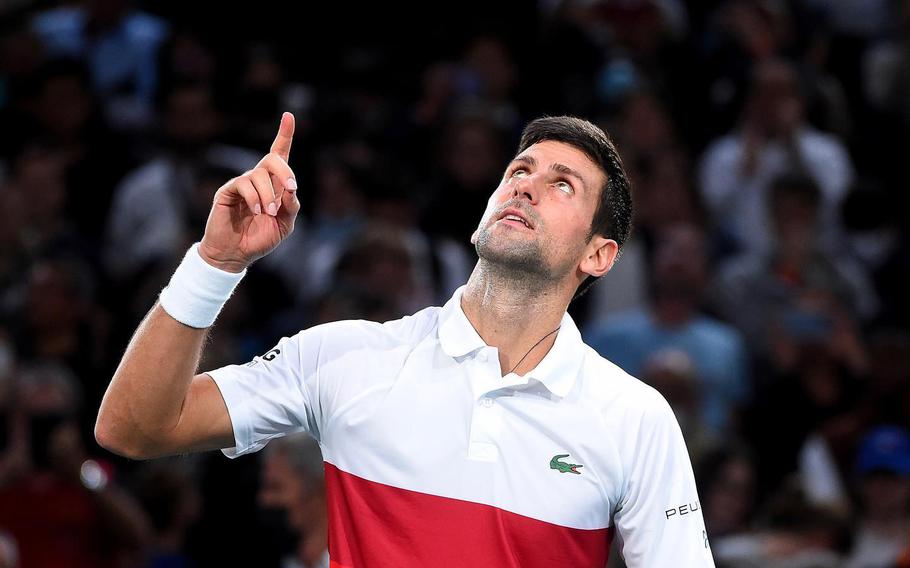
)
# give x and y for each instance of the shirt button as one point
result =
(482, 357)
(486, 402)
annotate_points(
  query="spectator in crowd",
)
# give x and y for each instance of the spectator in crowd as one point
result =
(663, 196)
(813, 396)
(306, 259)
(380, 263)
(796, 288)
(772, 139)
(470, 157)
(792, 534)
(119, 44)
(293, 485)
(168, 494)
(147, 223)
(57, 321)
(883, 470)
(62, 508)
(62, 117)
(729, 490)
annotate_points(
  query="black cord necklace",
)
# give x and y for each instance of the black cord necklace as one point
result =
(532, 349)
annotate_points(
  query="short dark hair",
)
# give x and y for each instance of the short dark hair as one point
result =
(613, 216)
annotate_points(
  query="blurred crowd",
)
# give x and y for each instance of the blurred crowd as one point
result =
(764, 291)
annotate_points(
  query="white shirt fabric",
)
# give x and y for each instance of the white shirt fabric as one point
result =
(434, 458)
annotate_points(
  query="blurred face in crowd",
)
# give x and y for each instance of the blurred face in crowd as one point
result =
(538, 221)
(472, 154)
(489, 58)
(64, 105)
(282, 488)
(52, 299)
(794, 220)
(775, 103)
(51, 413)
(680, 263)
(191, 120)
(728, 501)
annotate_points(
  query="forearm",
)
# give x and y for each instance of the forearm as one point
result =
(143, 402)
(155, 405)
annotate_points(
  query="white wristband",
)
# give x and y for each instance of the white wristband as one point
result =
(197, 290)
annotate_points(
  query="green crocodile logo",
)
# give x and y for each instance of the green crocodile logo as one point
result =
(563, 467)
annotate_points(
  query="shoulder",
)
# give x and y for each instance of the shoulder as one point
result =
(617, 395)
(357, 335)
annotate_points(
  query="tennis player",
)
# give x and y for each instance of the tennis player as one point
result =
(480, 433)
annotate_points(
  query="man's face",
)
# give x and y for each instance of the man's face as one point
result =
(554, 189)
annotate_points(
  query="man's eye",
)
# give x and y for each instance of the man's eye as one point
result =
(519, 173)
(564, 186)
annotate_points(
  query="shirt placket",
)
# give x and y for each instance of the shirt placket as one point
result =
(487, 416)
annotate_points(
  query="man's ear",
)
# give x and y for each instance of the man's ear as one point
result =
(600, 256)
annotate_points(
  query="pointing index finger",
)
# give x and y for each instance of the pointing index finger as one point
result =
(282, 143)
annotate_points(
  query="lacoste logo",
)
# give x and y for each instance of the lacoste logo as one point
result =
(564, 467)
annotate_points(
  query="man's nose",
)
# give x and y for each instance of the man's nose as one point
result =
(527, 187)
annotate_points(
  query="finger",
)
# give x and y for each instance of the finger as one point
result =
(279, 189)
(248, 192)
(262, 180)
(276, 165)
(282, 143)
(290, 206)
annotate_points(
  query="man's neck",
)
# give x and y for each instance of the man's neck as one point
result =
(514, 315)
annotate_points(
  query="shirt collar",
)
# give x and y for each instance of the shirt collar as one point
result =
(560, 366)
(558, 369)
(457, 336)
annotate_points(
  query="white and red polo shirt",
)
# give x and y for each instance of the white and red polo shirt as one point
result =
(433, 458)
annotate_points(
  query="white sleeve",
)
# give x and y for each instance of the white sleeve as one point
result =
(266, 398)
(659, 519)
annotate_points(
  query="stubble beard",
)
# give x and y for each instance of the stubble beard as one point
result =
(523, 261)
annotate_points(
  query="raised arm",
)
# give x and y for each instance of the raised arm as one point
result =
(155, 404)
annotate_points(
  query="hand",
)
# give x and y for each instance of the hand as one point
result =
(255, 211)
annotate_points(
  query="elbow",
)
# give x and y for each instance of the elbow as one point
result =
(112, 439)
(107, 438)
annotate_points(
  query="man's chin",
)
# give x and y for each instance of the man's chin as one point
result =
(510, 258)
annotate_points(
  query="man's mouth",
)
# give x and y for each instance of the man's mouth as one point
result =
(514, 217)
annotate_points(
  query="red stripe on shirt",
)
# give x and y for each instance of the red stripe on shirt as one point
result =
(376, 525)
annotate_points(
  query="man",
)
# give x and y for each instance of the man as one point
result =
(481, 433)
(774, 139)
